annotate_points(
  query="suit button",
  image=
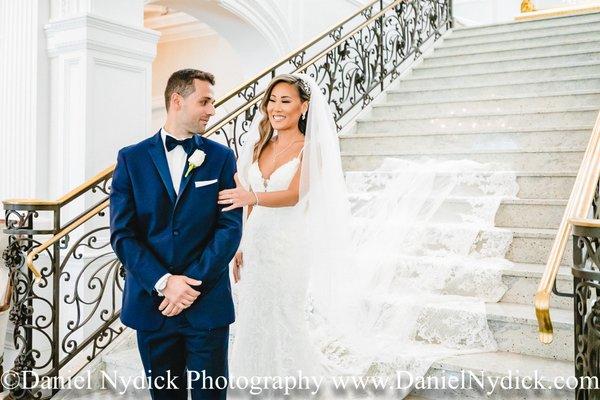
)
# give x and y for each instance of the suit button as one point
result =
(176, 233)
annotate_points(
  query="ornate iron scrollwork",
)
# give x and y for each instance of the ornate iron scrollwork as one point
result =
(586, 291)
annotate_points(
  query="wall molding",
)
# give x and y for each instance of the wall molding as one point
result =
(89, 32)
(178, 26)
(266, 16)
(100, 23)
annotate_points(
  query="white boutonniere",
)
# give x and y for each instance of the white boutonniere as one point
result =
(195, 160)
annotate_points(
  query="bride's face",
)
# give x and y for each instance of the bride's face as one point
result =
(285, 107)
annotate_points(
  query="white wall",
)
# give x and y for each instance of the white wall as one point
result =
(483, 12)
(209, 53)
(309, 18)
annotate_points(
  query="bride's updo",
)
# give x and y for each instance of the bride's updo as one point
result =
(265, 129)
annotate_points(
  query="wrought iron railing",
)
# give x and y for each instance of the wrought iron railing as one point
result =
(586, 290)
(68, 310)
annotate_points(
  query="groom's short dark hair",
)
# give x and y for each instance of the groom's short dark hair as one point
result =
(182, 82)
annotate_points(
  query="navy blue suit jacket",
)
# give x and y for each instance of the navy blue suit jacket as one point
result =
(155, 231)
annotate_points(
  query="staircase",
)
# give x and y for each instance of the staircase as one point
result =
(524, 97)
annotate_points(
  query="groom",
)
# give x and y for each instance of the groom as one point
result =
(175, 244)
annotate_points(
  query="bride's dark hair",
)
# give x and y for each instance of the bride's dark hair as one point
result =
(265, 129)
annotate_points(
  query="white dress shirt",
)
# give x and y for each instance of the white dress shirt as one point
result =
(176, 159)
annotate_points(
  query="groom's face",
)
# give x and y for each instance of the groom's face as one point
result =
(196, 108)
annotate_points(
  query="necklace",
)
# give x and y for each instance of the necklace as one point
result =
(277, 154)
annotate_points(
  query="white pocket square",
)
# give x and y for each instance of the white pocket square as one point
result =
(204, 183)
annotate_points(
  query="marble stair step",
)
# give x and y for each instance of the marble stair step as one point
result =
(552, 50)
(503, 139)
(488, 31)
(457, 39)
(592, 34)
(532, 184)
(535, 158)
(533, 101)
(493, 90)
(523, 75)
(497, 365)
(482, 122)
(531, 213)
(513, 326)
(426, 70)
(518, 245)
(533, 245)
(522, 280)
(522, 213)
(515, 329)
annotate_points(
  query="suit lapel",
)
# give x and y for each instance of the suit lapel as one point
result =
(157, 152)
(186, 180)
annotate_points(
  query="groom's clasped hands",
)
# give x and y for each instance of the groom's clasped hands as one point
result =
(179, 294)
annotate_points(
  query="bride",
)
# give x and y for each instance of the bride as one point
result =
(326, 291)
(271, 334)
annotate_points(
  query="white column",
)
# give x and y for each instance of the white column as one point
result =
(23, 109)
(101, 77)
(100, 99)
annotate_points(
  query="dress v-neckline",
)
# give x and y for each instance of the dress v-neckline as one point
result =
(275, 170)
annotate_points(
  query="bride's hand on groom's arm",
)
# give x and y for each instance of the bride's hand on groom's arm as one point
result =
(179, 294)
(236, 197)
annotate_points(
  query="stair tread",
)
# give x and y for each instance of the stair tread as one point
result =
(359, 135)
(517, 173)
(127, 356)
(510, 71)
(562, 78)
(469, 151)
(531, 270)
(511, 96)
(560, 110)
(528, 47)
(516, 58)
(534, 231)
(550, 32)
(504, 200)
(525, 313)
(530, 25)
(499, 363)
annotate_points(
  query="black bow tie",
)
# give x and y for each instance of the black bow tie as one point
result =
(188, 144)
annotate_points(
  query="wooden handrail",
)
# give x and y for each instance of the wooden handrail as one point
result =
(67, 198)
(54, 239)
(585, 222)
(577, 208)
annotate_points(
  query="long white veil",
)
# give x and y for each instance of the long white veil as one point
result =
(399, 270)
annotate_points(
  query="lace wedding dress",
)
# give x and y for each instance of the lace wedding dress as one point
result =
(271, 331)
